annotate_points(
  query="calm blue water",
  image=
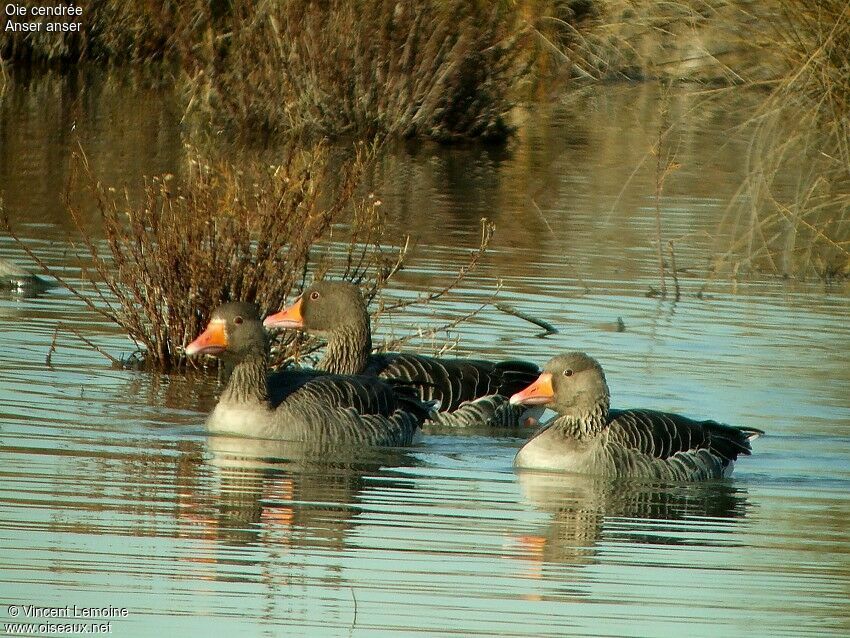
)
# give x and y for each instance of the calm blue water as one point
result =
(112, 494)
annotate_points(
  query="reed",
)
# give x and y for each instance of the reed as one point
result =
(441, 70)
(716, 41)
(792, 214)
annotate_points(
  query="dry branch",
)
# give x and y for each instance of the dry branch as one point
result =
(548, 328)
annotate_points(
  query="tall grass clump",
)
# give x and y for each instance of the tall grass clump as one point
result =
(792, 215)
(440, 69)
(714, 41)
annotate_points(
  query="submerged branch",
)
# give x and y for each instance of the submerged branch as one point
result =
(547, 327)
(116, 363)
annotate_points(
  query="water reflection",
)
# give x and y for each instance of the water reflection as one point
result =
(43, 118)
(287, 492)
(586, 510)
(109, 483)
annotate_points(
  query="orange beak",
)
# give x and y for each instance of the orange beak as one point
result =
(538, 393)
(287, 318)
(213, 340)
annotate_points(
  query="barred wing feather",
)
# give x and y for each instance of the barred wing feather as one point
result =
(662, 435)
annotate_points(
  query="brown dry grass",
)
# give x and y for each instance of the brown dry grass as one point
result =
(441, 70)
(717, 41)
(792, 215)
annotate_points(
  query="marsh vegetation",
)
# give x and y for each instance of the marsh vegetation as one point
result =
(801, 128)
(299, 73)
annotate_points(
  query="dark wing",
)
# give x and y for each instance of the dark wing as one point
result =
(453, 381)
(492, 411)
(364, 394)
(284, 382)
(661, 434)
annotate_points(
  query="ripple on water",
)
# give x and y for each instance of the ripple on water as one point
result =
(111, 492)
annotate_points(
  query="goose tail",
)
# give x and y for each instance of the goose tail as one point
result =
(512, 376)
(752, 433)
(422, 409)
(433, 407)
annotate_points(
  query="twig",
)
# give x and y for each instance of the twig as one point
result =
(115, 362)
(551, 230)
(548, 327)
(48, 359)
(4, 76)
(659, 186)
(7, 227)
(388, 271)
(422, 334)
(354, 599)
(487, 229)
(545, 221)
(673, 270)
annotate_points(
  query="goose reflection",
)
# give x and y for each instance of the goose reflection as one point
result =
(286, 493)
(21, 282)
(584, 510)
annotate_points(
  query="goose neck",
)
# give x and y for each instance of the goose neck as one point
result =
(583, 425)
(348, 350)
(248, 381)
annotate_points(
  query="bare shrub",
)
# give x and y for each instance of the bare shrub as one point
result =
(224, 234)
(220, 233)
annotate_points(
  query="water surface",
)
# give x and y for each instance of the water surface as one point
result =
(112, 493)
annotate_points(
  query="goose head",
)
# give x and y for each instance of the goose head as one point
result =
(572, 384)
(323, 308)
(234, 328)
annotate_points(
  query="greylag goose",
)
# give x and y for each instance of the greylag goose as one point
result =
(470, 391)
(16, 279)
(298, 405)
(587, 437)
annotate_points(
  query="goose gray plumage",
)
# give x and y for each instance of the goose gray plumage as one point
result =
(470, 391)
(16, 279)
(298, 405)
(587, 437)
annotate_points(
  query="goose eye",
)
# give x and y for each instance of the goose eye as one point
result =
(314, 295)
(568, 373)
(238, 320)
